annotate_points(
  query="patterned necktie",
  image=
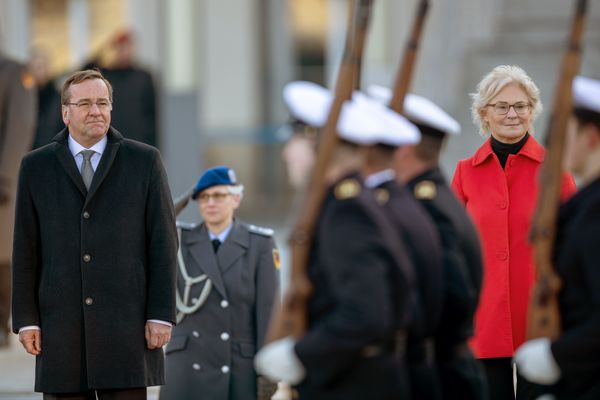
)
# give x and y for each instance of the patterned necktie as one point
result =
(216, 243)
(87, 172)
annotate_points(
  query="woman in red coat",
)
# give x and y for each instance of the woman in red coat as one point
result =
(499, 188)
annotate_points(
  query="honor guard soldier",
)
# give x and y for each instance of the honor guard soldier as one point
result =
(461, 375)
(363, 285)
(572, 362)
(227, 284)
(421, 238)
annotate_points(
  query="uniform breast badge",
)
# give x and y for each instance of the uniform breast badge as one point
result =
(425, 190)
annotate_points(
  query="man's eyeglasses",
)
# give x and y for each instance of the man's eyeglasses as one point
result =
(218, 197)
(502, 108)
(86, 105)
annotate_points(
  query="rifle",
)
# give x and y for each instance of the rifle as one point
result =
(405, 72)
(290, 318)
(544, 316)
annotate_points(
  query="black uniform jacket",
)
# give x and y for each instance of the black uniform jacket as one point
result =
(363, 286)
(211, 353)
(90, 268)
(577, 351)
(421, 239)
(461, 375)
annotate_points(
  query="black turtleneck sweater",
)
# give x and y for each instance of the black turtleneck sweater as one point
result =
(502, 150)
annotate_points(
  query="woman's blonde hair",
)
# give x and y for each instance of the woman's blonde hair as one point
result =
(493, 83)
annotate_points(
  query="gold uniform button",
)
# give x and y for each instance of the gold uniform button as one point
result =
(87, 257)
(89, 301)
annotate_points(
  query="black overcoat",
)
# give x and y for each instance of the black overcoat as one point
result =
(212, 350)
(461, 375)
(578, 265)
(90, 268)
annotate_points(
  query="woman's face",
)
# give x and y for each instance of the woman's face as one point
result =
(512, 126)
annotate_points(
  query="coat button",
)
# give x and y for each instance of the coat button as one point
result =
(196, 366)
(224, 369)
(87, 257)
(503, 204)
(502, 255)
(224, 304)
(511, 162)
(89, 301)
(86, 214)
(224, 336)
(195, 334)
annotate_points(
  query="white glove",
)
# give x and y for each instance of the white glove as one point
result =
(278, 362)
(535, 362)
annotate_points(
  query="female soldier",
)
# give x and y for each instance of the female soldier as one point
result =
(499, 186)
(227, 284)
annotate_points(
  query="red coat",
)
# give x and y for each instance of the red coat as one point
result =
(502, 205)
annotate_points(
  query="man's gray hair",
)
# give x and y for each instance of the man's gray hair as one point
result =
(493, 83)
(237, 190)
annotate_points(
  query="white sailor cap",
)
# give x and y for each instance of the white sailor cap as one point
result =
(586, 93)
(366, 122)
(308, 102)
(419, 110)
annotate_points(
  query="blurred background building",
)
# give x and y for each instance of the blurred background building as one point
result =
(219, 65)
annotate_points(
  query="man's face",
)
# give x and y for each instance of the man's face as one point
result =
(299, 156)
(88, 114)
(217, 205)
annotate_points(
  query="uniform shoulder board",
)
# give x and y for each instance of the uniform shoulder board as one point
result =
(425, 190)
(347, 189)
(382, 195)
(261, 230)
(186, 226)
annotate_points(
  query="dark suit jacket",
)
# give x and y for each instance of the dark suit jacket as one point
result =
(363, 284)
(577, 263)
(231, 326)
(91, 267)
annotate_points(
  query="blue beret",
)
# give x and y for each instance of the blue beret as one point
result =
(221, 175)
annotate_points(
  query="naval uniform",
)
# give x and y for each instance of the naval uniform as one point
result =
(461, 375)
(577, 263)
(211, 352)
(419, 234)
(353, 348)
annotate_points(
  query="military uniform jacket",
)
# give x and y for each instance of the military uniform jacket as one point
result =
(17, 124)
(212, 350)
(421, 238)
(577, 263)
(363, 284)
(462, 377)
(90, 268)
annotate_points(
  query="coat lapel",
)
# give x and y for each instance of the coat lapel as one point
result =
(234, 246)
(67, 160)
(202, 252)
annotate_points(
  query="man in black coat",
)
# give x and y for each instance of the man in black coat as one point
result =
(94, 255)
(363, 290)
(461, 375)
(572, 361)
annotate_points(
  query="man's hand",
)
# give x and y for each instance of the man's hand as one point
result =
(157, 335)
(31, 341)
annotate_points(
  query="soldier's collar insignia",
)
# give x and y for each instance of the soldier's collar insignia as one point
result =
(347, 189)
(382, 195)
(425, 190)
